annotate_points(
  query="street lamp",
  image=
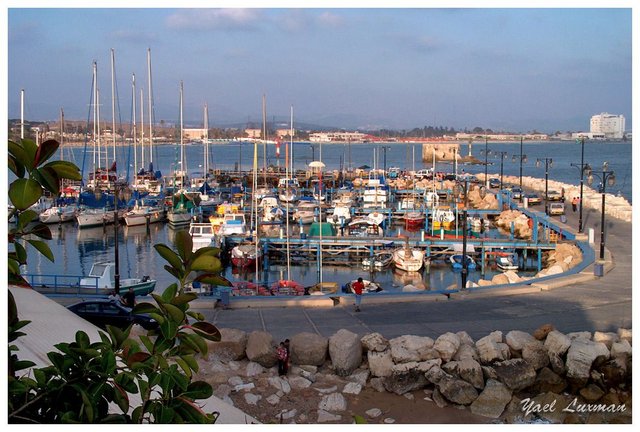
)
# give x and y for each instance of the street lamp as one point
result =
(503, 156)
(548, 162)
(607, 177)
(523, 160)
(486, 153)
(313, 153)
(581, 168)
(465, 193)
(385, 148)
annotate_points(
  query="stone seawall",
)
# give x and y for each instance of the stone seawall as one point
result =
(517, 377)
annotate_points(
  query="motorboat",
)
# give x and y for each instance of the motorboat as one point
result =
(58, 214)
(287, 287)
(443, 218)
(143, 214)
(102, 277)
(245, 255)
(201, 235)
(505, 263)
(375, 194)
(378, 261)
(363, 227)
(376, 217)
(456, 262)
(414, 220)
(408, 259)
(341, 215)
(233, 224)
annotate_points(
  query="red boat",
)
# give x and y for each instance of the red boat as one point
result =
(245, 255)
(414, 220)
(287, 287)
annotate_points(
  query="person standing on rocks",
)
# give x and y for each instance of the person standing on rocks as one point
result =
(281, 354)
(287, 347)
(357, 287)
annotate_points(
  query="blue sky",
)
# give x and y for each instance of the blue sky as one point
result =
(505, 69)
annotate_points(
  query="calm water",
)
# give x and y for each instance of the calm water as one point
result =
(76, 250)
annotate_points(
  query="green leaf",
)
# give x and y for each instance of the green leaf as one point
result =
(23, 193)
(25, 217)
(139, 357)
(23, 160)
(184, 244)
(144, 307)
(184, 298)
(108, 362)
(214, 280)
(45, 151)
(185, 367)
(169, 329)
(165, 252)
(198, 390)
(192, 362)
(82, 339)
(22, 364)
(207, 331)
(175, 313)
(359, 419)
(87, 406)
(206, 263)
(48, 179)
(16, 167)
(43, 248)
(42, 231)
(21, 253)
(126, 381)
(164, 415)
(64, 170)
(170, 292)
(121, 398)
(117, 336)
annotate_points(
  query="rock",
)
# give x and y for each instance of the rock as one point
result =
(373, 412)
(584, 335)
(489, 373)
(232, 345)
(333, 402)
(409, 348)
(505, 350)
(549, 381)
(245, 387)
(622, 348)
(309, 368)
(471, 371)
(308, 349)
(260, 349)
(466, 352)
(492, 401)
(499, 279)
(447, 345)
(625, 334)
(439, 399)
(331, 389)
(375, 342)
(465, 339)
(274, 399)
(517, 339)
(457, 391)
(606, 338)
(287, 415)
(581, 356)
(280, 384)
(389, 420)
(298, 382)
(557, 364)
(377, 384)
(614, 372)
(251, 398)
(435, 374)
(535, 354)
(326, 417)
(451, 368)
(557, 343)
(516, 374)
(380, 363)
(360, 377)
(222, 390)
(405, 377)
(542, 331)
(488, 349)
(352, 388)
(591, 393)
(234, 381)
(409, 396)
(254, 369)
(512, 276)
(345, 350)
(428, 364)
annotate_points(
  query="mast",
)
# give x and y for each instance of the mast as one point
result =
(183, 169)
(206, 142)
(254, 198)
(150, 95)
(61, 133)
(264, 137)
(22, 114)
(287, 194)
(142, 128)
(96, 160)
(113, 101)
(134, 132)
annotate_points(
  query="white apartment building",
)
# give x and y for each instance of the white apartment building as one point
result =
(611, 125)
(336, 136)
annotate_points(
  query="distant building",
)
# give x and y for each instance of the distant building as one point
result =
(441, 151)
(194, 134)
(610, 125)
(253, 133)
(337, 136)
(501, 137)
(280, 133)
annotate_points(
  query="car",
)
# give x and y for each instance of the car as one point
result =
(533, 198)
(425, 174)
(451, 177)
(494, 183)
(556, 208)
(516, 192)
(554, 195)
(103, 311)
(470, 178)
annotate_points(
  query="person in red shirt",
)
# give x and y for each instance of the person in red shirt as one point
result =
(282, 355)
(357, 287)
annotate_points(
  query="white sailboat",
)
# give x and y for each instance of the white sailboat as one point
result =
(408, 259)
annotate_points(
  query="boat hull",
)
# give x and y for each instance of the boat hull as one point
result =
(408, 260)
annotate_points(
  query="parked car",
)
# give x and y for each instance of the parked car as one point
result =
(103, 311)
(533, 198)
(470, 178)
(556, 208)
(494, 183)
(554, 195)
(425, 174)
(450, 176)
(516, 192)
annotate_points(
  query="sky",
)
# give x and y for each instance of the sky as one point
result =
(505, 69)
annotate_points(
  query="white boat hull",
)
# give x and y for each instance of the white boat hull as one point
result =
(140, 216)
(92, 218)
(408, 259)
(57, 214)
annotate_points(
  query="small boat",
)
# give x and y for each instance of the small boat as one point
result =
(287, 287)
(376, 217)
(443, 217)
(369, 287)
(92, 217)
(408, 259)
(341, 215)
(245, 255)
(379, 261)
(102, 275)
(414, 220)
(506, 263)
(201, 234)
(58, 214)
(234, 223)
(476, 224)
(456, 262)
(140, 214)
(363, 227)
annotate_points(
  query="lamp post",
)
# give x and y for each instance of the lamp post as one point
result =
(385, 148)
(465, 192)
(486, 153)
(606, 177)
(548, 162)
(581, 168)
(313, 152)
(523, 160)
(503, 156)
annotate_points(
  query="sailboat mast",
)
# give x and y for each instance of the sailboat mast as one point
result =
(22, 114)
(150, 95)
(61, 133)
(182, 167)
(142, 128)
(113, 101)
(96, 159)
(134, 132)
(206, 142)
(264, 137)
(287, 194)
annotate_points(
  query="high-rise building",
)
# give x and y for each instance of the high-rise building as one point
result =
(611, 125)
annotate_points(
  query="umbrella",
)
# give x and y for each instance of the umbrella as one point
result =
(316, 164)
(364, 167)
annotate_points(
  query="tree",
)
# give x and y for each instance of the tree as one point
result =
(85, 378)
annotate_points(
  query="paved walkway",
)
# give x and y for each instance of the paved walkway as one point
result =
(602, 304)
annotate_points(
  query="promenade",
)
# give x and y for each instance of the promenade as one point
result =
(602, 304)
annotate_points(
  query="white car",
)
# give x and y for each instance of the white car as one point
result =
(556, 208)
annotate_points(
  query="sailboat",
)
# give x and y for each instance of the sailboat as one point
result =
(180, 213)
(408, 259)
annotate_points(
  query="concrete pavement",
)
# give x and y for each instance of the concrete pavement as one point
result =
(602, 304)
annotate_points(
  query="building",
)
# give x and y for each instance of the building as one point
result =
(337, 136)
(253, 133)
(194, 134)
(611, 125)
(441, 151)
(281, 133)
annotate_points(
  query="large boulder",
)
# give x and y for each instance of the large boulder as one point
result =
(345, 350)
(380, 363)
(622, 348)
(492, 401)
(557, 343)
(410, 348)
(375, 342)
(549, 381)
(535, 354)
(447, 345)
(333, 402)
(517, 339)
(405, 377)
(516, 374)
(471, 371)
(466, 352)
(260, 349)
(580, 358)
(457, 391)
(308, 349)
(232, 345)
(607, 338)
(489, 349)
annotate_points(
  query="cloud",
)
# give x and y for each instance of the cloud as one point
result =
(215, 19)
(134, 36)
(330, 19)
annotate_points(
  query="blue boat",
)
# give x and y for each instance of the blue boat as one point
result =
(456, 262)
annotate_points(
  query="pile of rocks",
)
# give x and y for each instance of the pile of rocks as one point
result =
(515, 377)
(564, 257)
(516, 220)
